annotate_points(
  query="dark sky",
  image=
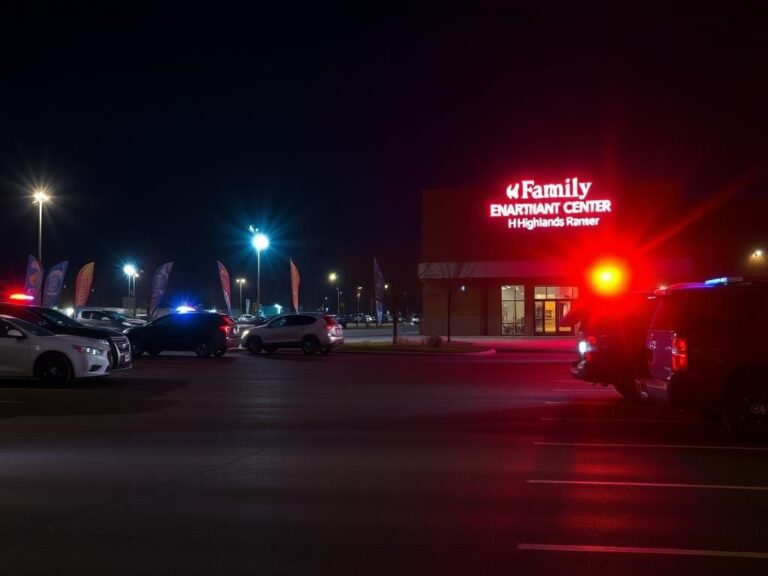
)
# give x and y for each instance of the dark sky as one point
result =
(164, 132)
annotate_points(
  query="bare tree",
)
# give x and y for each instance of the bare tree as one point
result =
(449, 277)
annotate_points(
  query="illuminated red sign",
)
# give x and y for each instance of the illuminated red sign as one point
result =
(555, 205)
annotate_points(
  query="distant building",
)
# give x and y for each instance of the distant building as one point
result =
(514, 259)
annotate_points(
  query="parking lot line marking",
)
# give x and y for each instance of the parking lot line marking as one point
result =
(627, 420)
(581, 402)
(648, 485)
(642, 550)
(673, 446)
(611, 390)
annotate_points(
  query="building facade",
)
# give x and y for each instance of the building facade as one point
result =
(515, 259)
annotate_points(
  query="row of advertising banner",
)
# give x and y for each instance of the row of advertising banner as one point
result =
(47, 293)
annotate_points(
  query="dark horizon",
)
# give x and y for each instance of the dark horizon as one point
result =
(164, 133)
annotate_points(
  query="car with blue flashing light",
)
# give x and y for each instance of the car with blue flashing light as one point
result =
(204, 333)
(705, 349)
(29, 350)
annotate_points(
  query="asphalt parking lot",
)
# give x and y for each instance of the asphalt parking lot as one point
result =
(369, 464)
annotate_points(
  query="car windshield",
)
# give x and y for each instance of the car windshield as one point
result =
(56, 317)
(32, 328)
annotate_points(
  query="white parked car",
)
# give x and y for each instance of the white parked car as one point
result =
(30, 351)
(311, 332)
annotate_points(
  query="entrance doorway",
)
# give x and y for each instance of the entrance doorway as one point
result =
(551, 303)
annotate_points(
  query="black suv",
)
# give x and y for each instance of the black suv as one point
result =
(610, 339)
(58, 323)
(203, 333)
(706, 349)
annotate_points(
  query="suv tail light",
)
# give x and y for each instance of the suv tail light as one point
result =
(330, 320)
(679, 350)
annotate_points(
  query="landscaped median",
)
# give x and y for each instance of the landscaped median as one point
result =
(416, 345)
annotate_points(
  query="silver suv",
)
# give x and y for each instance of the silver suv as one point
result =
(312, 333)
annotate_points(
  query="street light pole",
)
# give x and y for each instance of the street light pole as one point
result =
(260, 242)
(333, 277)
(241, 281)
(40, 197)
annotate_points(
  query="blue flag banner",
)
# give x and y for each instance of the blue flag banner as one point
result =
(159, 284)
(33, 282)
(54, 282)
(378, 290)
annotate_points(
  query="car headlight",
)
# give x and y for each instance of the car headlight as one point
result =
(90, 350)
(244, 333)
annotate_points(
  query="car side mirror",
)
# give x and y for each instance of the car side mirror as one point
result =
(13, 333)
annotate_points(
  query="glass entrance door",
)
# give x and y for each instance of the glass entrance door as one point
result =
(548, 314)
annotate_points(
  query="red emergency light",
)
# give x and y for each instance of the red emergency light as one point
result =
(21, 297)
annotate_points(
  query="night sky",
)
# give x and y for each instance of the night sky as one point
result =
(163, 133)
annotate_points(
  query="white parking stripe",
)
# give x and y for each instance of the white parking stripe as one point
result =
(640, 550)
(611, 390)
(625, 420)
(647, 485)
(672, 446)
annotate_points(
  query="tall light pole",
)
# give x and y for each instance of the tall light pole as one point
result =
(260, 242)
(40, 197)
(241, 281)
(332, 278)
(132, 273)
(359, 292)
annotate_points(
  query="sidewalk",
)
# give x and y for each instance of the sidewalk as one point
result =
(557, 344)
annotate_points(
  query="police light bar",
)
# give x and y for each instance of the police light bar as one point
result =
(723, 280)
(19, 296)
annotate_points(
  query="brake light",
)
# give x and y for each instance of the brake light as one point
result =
(330, 320)
(679, 351)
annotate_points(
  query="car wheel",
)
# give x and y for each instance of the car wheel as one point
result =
(203, 349)
(270, 349)
(745, 412)
(254, 345)
(137, 349)
(53, 369)
(153, 351)
(220, 352)
(310, 345)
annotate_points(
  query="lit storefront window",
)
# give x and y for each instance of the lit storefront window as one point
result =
(512, 309)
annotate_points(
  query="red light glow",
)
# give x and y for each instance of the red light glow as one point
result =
(609, 278)
(19, 296)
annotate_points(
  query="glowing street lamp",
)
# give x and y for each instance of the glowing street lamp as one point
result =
(132, 273)
(260, 241)
(241, 281)
(40, 197)
(332, 278)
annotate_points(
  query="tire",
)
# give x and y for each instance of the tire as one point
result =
(270, 349)
(745, 411)
(203, 349)
(310, 345)
(220, 352)
(137, 349)
(53, 369)
(254, 345)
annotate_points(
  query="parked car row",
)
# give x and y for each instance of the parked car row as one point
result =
(694, 345)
